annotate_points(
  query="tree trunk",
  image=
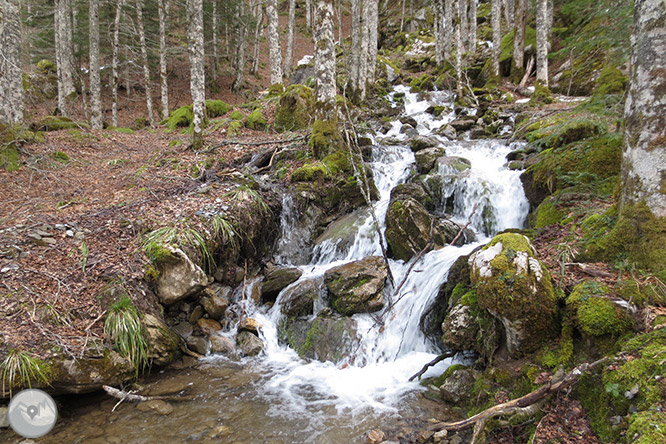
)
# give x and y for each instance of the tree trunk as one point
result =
(355, 44)
(450, 12)
(339, 17)
(324, 44)
(518, 63)
(550, 18)
(258, 30)
(274, 50)
(114, 62)
(195, 34)
(472, 26)
(290, 39)
(438, 32)
(459, 51)
(240, 44)
(11, 84)
(373, 24)
(215, 42)
(63, 46)
(495, 20)
(462, 20)
(644, 157)
(95, 84)
(542, 42)
(308, 14)
(144, 61)
(163, 11)
(363, 59)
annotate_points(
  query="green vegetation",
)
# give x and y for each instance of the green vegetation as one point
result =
(294, 109)
(125, 329)
(20, 369)
(256, 120)
(56, 123)
(186, 238)
(216, 108)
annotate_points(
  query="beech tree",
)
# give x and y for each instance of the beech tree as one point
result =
(372, 23)
(356, 33)
(11, 87)
(290, 38)
(459, 49)
(497, 38)
(518, 61)
(163, 13)
(64, 53)
(324, 55)
(195, 37)
(95, 84)
(275, 54)
(240, 45)
(144, 60)
(114, 61)
(542, 42)
(472, 25)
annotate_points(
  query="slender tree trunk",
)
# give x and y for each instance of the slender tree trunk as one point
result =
(163, 11)
(497, 38)
(144, 61)
(363, 59)
(11, 85)
(63, 46)
(308, 14)
(215, 42)
(462, 20)
(290, 39)
(339, 16)
(644, 157)
(402, 16)
(355, 44)
(324, 43)
(372, 25)
(240, 43)
(518, 63)
(438, 31)
(549, 19)
(459, 51)
(258, 30)
(472, 26)
(95, 84)
(504, 6)
(195, 34)
(114, 62)
(450, 12)
(542, 42)
(275, 52)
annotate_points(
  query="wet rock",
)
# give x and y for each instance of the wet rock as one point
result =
(183, 329)
(249, 324)
(517, 290)
(463, 124)
(179, 277)
(196, 314)
(216, 300)
(89, 374)
(409, 120)
(446, 131)
(357, 287)
(516, 165)
(342, 232)
(209, 326)
(478, 132)
(374, 436)
(408, 130)
(391, 141)
(4, 419)
(326, 338)
(460, 329)
(413, 191)
(453, 166)
(249, 344)
(163, 342)
(221, 344)
(155, 405)
(425, 159)
(419, 143)
(197, 344)
(299, 300)
(277, 280)
(457, 386)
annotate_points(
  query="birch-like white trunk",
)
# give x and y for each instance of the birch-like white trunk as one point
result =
(11, 84)
(644, 156)
(472, 25)
(215, 41)
(289, 53)
(438, 31)
(114, 62)
(240, 44)
(355, 44)
(195, 36)
(163, 12)
(462, 20)
(459, 51)
(520, 15)
(495, 19)
(95, 84)
(275, 53)
(363, 59)
(542, 41)
(324, 44)
(64, 48)
(372, 25)
(308, 14)
(144, 62)
(450, 12)
(258, 31)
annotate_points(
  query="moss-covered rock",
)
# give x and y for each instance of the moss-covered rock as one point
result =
(310, 172)
(56, 123)
(180, 118)
(357, 287)
(611, 81)
(325, 138)
(517, 289)
(326, 338)
(299, 299)
(594, 312)
(295, 108)
(276, 280)
(413, 191)
(45, 66)
(541, 96)
(547, 213)
(216, 108)
(256, 120)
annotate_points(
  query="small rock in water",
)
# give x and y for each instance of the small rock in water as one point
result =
(197, 314)
(155, 405)
(249, 344)
(374, 436)
(219, 431)
(209, 326)
(249, 324)
(221, 344)
(197, 344)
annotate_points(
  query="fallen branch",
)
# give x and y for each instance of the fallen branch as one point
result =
(462, 230)
(128, 396)
(264, 142)
(520, 404)
(588, 269)
(432, 363)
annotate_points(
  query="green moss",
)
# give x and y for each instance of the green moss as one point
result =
(338, 162)
(423, 83)
(647, 428)
(438, 381)
(256, 120)
(276, 89)
(310, 172)
(325, 138)
(547, 213)
(236, 115)
(10, 159)
(45, 66)
(294, 109)
(594, 314)
(611, 81)
(180, 118)
(216, 108)
(55, 123)
(121, 130)
(541, 96)
(234, 127)
(61, 157)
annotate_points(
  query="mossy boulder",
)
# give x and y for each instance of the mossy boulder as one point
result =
(426, 158)
(611, 81)
(594, 312)
(413, 191)
(547, 213)
(56, 123)
(299, 299)
(180, 118)
(458, 384)
(277, 280)
(357, 287)
(541, 96)
(256, 120)
(325, 138)
(295, 108)
(310, 172)
(249, 344)
(179, 277)
(515, 288)
(216, 108)
(326, 338)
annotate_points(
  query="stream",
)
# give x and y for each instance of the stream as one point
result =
(277, 397)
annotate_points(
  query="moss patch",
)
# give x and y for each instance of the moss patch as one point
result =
(217, 108)
(325, 138)
(256, 120)
(295, 108)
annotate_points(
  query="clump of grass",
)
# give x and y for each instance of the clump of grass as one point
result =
(244, 192)
(20, 368)
(183, 237)
(224, 230)
(124, 327)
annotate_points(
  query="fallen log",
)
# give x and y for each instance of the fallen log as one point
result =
(132, 397)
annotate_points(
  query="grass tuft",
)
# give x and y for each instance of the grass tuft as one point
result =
(20, 368)
(124, 327)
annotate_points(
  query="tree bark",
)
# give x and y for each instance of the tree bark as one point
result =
(163, 11)
(472, 26)
(258, 30)
(275, 53)
(363, 59)
(289, 53)
(497, 38)
(215, 41)
(195, 34)
(438, 31)
(450, 12)
(518, 62)
(240, 44)
(462, 20)
(64, 49)
(144, 61)
(644, 156)
(11, 84)
(459, 51)
(373, 24)
(324, 54)
(308, 14)
(355, 44)
(542, 41)
(114, 62)
(95, 84)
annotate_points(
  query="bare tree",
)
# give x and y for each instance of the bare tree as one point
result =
(95, 84)
(215, 43)
(275, 53)
(64, 50)
(163, 13)
(195, 36)
(450, 12)
(472, 25)
(290, 39)
(542, 42)
(11, 86)
(115, 42)
(324, 38)
(438, 31)
(372, 25)
(459, 50)
(363, 59)
(518, 63)
(497, 38)
(144, 61)
(240, 46)
(355, 44)
(308, 14)
(462, 21)
(258, 11)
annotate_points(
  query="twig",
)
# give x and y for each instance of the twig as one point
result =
(469, 221)
(95, 321)
(265, 142)
(130, 396)
(437, 360)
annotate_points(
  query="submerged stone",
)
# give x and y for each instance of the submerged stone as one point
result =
(277, 280)
(357, 287)
(326, 338)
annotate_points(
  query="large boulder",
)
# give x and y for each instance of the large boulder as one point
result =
(342, 232)
(87, 375)
(294, 110)
(276, 281)
(414, 191)
(326, 338)
(179, 277)
(516, 289)
(299, 300)
(163, 343)
(460, 328)
(458, 385)
(357, 287)
(425, 159)
(249, 344)
(419, 143)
